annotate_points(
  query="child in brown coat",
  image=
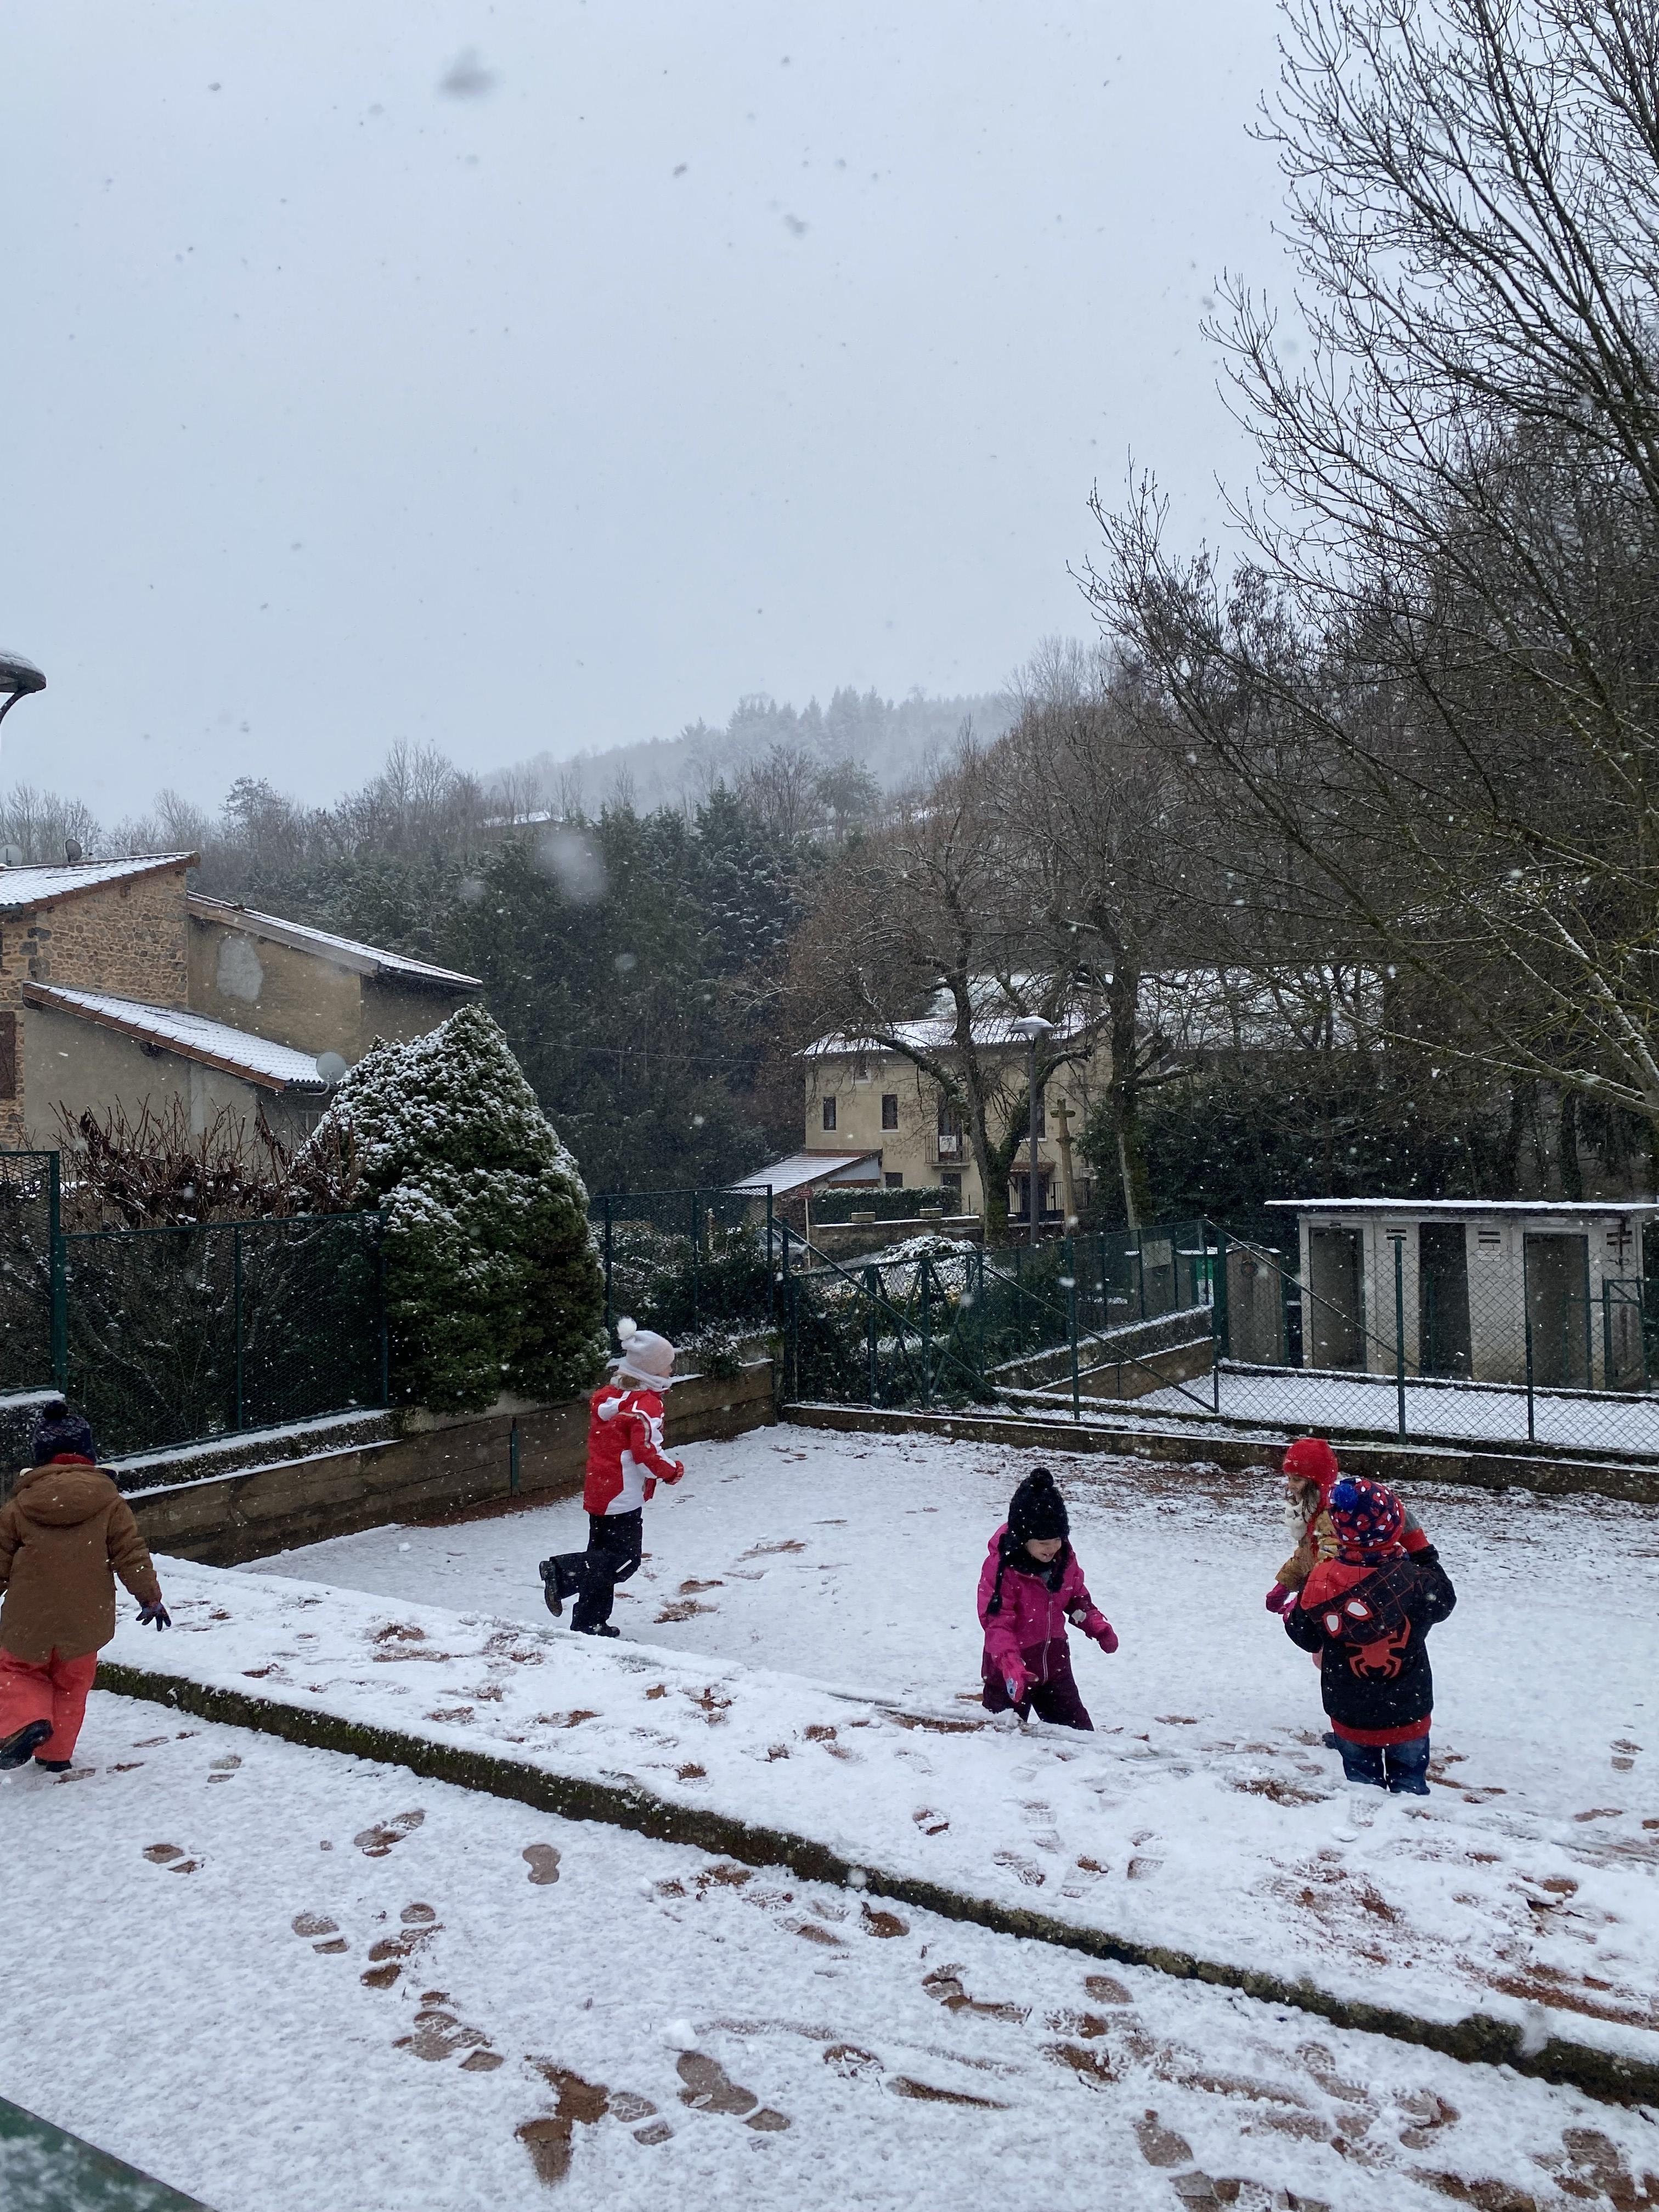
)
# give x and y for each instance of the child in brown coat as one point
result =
(65, 1536)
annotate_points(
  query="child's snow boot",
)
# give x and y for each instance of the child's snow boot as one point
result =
(54, 1766)
(19, 1746)
(560, 1578)
(599, 1628)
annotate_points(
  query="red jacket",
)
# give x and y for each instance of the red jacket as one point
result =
(624, 1449)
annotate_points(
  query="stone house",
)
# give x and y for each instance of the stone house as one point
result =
(861, 1099)
(120, 986)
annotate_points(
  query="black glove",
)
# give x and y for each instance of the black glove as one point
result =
(157, 1612)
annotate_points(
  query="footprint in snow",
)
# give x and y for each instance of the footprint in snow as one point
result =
(375, 1843)
(387, 1952)
(172, 1856)
(318, 1926)
(710, 2088)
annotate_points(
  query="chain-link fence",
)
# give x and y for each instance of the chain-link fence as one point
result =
(685, 1262)
(173, 1335)
(941, 1323)
(1440, 1333)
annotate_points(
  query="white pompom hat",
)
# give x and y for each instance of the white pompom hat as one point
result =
(646, 1356)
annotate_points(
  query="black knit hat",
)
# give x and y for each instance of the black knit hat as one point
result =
(58, 1432)
(1037, 1510)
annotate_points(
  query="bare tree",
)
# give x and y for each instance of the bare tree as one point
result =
(931, 914)
(1429, 707)
(1096, 826)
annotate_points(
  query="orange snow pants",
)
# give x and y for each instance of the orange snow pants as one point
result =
(54, 1691)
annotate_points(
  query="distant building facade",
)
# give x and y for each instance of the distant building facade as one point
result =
(120, 985)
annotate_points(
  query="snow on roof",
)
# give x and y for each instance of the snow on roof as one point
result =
(174, 1029)
(1586, 1208)
(21, 888)
(345, 952)
(934, 1033)
(802, 1168)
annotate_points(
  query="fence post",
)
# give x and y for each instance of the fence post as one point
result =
(1216, 1325)
(1606, 1340)
(236, 1237)
(771, 1304)
(1219, 1293)
(872, 1290)
(513, 1459)
(1140, 1269)
(1399, 1243)
(58, 1263)
(791, 1341)
(696, 1262)
(610, 1315)
(1071, 1318)
(927, 1332)
(385, 1329)
(1525, 1315)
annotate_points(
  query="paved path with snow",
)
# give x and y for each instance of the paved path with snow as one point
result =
(289, 1981)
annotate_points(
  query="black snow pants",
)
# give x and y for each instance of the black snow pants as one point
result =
(615, 1544)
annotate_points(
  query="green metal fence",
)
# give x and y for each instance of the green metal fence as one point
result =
(1191, 1323)
(176, 1334)
(683, 1261)
(173, 1335)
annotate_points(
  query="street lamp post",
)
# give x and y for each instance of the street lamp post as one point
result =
(18, 678)
(1033, 1029)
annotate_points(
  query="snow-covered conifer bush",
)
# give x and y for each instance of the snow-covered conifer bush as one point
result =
(493, 1281)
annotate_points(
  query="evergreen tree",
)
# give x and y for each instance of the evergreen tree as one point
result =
(492, 1282)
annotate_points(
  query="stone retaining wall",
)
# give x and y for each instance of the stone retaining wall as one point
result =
(432, 1468)
(1051, 1431)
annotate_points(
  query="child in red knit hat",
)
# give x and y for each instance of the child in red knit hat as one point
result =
(1312, 1473)
(1366, 1613)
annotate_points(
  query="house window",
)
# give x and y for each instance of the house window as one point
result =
(7, 1055)
(860, 1069)
(889, 1109)
(950, 1131)
(829, 1113)
(950, 1184)
(892, 1181)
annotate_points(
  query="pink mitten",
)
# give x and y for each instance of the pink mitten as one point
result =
(1279, 1600)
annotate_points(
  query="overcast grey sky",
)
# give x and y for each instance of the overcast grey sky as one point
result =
(669, 352)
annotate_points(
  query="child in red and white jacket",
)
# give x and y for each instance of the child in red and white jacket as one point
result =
(625, 1462)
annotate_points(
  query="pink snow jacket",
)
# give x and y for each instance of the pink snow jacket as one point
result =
(1031, 1613)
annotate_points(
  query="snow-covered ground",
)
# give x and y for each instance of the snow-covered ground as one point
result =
(1490, 1412)
(288, 1981)
(800, 1649)
(805, 1654)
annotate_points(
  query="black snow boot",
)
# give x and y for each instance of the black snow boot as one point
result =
(54, 1766)
(599, 1628)
(15, 1748)
(562, 1578)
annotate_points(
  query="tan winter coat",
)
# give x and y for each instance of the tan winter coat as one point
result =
(65, 1536)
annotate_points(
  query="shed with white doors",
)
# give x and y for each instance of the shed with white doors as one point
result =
(1480, 1291)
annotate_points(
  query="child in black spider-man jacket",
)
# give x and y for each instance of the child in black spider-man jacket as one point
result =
(1366, 1612)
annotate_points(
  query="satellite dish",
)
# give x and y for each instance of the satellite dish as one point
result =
(331, 1068)
(11, 856)
(71, 849)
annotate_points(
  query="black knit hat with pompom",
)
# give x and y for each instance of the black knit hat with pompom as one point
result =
(1037, 1510)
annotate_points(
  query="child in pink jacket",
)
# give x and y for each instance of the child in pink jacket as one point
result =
(1030, 1587)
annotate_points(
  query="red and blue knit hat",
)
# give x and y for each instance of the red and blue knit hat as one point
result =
(1367, 1517)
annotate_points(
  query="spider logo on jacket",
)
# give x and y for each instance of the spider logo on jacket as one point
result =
(1371, 1621)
